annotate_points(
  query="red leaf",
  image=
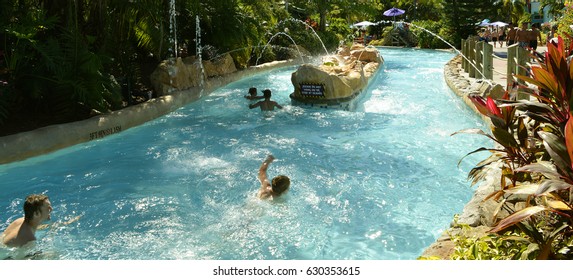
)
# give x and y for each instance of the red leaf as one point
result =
(479, 103)
(492, 107)
(569, 138)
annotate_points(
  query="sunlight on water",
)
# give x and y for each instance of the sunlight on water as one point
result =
(381, 182)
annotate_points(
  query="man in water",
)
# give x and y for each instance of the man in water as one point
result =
(37, 209)
(267, 104)
(280, 184)
(253, 94)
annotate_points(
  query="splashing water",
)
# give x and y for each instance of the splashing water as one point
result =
(378, 183)
(268, 43)
(309, 27)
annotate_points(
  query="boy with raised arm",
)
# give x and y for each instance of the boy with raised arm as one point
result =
(279, 185)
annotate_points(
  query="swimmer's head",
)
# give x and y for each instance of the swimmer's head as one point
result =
(280, 184)
(267, 93)
(37, 204)
(253, 91)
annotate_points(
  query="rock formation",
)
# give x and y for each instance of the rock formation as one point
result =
(338, 80)
(180, 74)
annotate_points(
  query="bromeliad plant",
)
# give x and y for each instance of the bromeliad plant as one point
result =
(535, 139)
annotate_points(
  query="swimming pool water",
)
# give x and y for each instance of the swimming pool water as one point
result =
(380, 182)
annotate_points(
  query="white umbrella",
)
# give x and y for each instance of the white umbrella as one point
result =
(498, 23)
(363, 24)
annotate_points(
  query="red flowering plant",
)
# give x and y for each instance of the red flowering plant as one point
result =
(535, 136)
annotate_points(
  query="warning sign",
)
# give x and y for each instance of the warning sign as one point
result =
(312, 90)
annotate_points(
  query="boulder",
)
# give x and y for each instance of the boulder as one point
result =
(339, 78)
(219, 66)
(171, 75)
(366, 55)
(195, 70)
(332, 84)
(183, 73)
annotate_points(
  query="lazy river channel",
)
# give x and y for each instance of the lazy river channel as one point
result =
(381, 182)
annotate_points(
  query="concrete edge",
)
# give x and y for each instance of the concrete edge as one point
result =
(21, 146)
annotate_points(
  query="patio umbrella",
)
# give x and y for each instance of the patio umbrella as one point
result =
(363, 24)
(393, 13)
(499, 23)
(484, 22)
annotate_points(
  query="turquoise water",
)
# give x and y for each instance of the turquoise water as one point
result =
(380, 182)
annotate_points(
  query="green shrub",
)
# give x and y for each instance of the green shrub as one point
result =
(427, 33)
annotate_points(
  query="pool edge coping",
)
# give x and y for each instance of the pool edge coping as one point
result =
(48, 139)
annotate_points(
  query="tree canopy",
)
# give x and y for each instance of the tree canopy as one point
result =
(65, 60)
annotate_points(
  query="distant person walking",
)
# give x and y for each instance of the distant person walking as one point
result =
(494, 37)
(535, 36)
(511, 33)
(501, 34)
(522, 36)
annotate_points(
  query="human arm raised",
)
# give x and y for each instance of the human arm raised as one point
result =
(265, 190)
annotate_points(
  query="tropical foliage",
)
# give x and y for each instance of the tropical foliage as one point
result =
(73, 59)
(534, 149)
(564, 23)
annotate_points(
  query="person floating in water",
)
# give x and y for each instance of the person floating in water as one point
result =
(253, 94)
(279, 185)
(267, 104)
(37, 209)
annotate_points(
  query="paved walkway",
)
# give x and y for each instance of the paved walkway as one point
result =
(500, 63)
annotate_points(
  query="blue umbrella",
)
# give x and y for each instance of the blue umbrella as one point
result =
(484, 22)
(393, 13)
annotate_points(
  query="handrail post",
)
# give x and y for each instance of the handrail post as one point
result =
(488, 61)
(464, 55)
(471, 57)
(522, 58)
(479, 60)
(511, 64)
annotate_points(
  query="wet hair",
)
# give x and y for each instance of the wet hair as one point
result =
(32, 205)
(253, 91)
(267, 93)
(280, 184)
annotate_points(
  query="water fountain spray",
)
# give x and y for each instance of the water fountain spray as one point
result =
(173, 25)
(308, 27)
(198, 51)
(272, 37)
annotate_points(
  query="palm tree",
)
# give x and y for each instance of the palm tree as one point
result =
(515, 9)
(555, 7)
